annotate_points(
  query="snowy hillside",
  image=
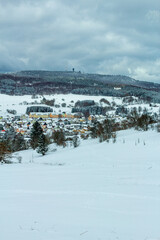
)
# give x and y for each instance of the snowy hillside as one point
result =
(96, 191)
(18, 103)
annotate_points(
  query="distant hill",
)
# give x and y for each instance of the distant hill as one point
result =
(50, 82)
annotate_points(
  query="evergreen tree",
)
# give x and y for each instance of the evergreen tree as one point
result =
(42, 144)
(36, 132)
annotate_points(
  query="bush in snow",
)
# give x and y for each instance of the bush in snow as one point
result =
(4, 152)
(63, 104)
(15, 141)
(103, 100)
(11, 111)
(158, 127)
(76, 141)
(59, 137)
(143, 122)
(48, 102)
(104, 131)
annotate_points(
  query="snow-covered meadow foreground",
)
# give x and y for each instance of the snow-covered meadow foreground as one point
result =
(98, 191)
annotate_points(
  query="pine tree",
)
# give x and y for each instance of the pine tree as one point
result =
(42, 144)
(36, 132)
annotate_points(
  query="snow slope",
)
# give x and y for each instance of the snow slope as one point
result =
(98, 191)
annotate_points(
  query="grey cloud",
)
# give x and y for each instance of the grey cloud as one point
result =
(110, 37)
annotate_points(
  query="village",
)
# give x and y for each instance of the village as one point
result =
(51, 119)
(71, 124)
(75, 117)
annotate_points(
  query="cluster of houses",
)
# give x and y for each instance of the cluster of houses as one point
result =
(71, 124)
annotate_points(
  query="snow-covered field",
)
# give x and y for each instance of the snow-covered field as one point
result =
(17, 102)
(98, 191)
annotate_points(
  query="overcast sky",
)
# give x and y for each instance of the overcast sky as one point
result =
(94, 36)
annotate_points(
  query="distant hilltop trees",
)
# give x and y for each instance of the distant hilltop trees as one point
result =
(64, 82)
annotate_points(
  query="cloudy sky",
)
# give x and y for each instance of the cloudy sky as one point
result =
(94, 36)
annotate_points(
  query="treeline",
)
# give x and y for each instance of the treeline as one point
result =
(104, 131)
(43, 82)
(146, 95)
(140, 121)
